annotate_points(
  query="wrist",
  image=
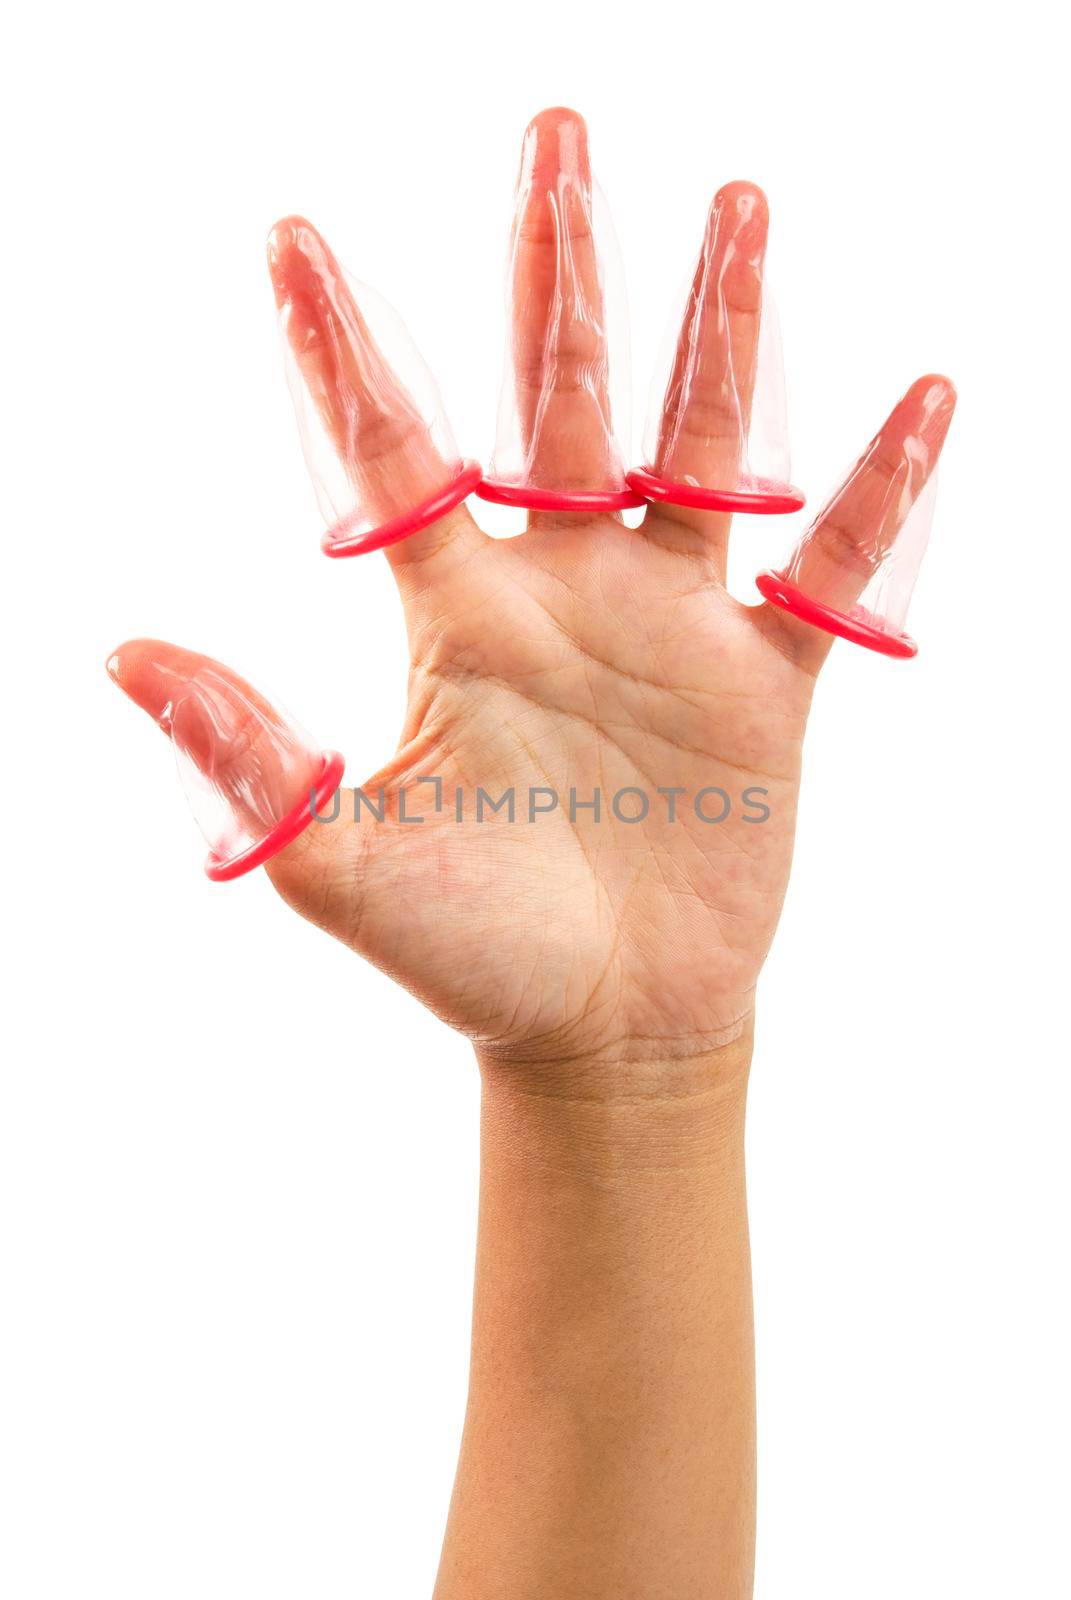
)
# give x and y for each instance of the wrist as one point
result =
(618, 1113)
(609, 1438)
(639, 1130)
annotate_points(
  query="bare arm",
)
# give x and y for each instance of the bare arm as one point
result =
(609, 1447)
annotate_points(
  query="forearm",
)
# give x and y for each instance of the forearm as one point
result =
(609, 1440)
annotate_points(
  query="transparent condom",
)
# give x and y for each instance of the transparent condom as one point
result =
(378, 446)
(563, 421)
(717, 428)
(247, 772)
(854, 569)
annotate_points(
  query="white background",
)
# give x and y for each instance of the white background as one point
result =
(237, 1167)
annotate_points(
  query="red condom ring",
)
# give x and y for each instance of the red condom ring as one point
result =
(779, 592)
(284, 831)
(335, 543)
(766, 497)
(557, 500)
(508, 494)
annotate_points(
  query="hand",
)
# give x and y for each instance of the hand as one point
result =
(583, 656)
(604, 963)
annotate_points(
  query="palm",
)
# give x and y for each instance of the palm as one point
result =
(582, 657)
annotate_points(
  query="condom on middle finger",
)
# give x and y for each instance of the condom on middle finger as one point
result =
(563, 424)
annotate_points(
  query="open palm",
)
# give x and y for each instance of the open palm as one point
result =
(575, 663)
(602, 744)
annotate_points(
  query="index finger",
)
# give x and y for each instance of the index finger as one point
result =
(397, 459)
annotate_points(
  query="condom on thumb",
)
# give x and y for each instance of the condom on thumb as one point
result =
(252, 776)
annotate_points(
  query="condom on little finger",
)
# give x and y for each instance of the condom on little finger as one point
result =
(853, 571)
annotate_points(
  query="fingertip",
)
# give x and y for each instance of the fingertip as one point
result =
(937, 395)
(743, 200)
(926, 410)
(125, 663)
(291, 233)
(298, 258)
(556, 142)
(739, 215)
(557, 122)
(245, 767)
(146, 671)
(933, 390)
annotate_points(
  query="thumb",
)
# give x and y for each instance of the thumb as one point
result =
(253, 777)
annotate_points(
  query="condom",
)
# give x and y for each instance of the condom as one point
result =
(563, 421)
(854, 570)
(377, 443)
(717, 429)
(252, 776)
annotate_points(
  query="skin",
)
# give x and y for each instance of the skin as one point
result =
(605, 971)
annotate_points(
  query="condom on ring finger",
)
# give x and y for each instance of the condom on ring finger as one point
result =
(376, 439)
(563, 423)
(716, 437)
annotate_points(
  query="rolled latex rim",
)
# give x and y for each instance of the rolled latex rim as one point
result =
(335, 543)
(773, 587)
(284, 831)
(513, 494)
(778, 498)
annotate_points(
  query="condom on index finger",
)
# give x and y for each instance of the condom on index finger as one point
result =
(717, 430)
(377, 442)
(252, 776)
(564, 410)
